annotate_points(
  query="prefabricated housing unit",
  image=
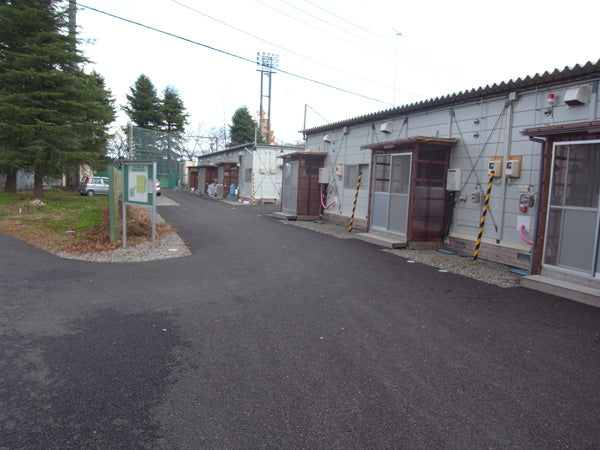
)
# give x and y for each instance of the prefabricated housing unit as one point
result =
(426, 172)
(255, 169)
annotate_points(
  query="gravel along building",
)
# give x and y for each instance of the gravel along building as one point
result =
(426, 173)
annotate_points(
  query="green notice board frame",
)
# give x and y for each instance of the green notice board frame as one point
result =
(138, 179)
(139, 188)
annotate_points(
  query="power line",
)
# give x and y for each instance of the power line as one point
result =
(224, 52)
(432, 67)
(328, 33)
(347, 21)
(373, 49)
(337, 69)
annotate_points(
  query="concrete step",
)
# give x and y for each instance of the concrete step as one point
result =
(285, 215)
(381, 240)
(562, 288)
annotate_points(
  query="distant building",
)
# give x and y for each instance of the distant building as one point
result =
(254, 169)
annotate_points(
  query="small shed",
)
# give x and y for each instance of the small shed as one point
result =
(301, 196)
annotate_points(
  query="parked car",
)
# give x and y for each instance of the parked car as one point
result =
(91, 186)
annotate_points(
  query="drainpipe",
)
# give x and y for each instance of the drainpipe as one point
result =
(535, 250)
(504, 180)
(593, 101)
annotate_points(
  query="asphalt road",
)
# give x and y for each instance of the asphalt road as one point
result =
(273, 336)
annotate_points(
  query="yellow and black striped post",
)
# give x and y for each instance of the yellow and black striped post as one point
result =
(483, 214)
(355, 198)
(253, 192)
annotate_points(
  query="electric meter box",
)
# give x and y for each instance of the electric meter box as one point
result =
(339, 170)
(453, 180)
(496, 166)
(324, 175)
(513, 168)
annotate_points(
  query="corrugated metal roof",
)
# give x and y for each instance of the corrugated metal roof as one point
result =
(567, 74)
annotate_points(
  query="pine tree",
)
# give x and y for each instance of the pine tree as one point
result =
(144, 106)
(243, 128)
(173, 111)
(52, 115)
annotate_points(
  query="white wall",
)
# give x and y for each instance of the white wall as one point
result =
(485, 128)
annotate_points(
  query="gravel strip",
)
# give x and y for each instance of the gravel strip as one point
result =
(168, 245)
(486, 271)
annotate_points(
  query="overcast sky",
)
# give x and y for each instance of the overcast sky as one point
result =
(378, 53)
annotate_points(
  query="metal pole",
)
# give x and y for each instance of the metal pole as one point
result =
(253, 191)
(483, 214)
(112, 203)
(269, 112)
(355, 199)
(153, 181)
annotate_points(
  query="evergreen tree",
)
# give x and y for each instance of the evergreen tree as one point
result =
(173, 111)
(243, 128)
(144, 106)
(52, 115)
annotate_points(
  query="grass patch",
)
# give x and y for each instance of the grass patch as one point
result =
(69, 222)
(59, 221)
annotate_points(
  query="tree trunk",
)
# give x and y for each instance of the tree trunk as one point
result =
(38, 184)
(11, 181)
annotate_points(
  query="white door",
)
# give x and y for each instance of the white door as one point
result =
(571, 242)
(391, 193)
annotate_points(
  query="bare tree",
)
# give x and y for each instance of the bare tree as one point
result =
(201, 141)
(117, 144)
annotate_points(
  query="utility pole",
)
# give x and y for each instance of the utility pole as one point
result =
(267, 63)
(73, 18)
(398, 35)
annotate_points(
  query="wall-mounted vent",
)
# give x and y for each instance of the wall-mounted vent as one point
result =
(387, 127)
(577, 96)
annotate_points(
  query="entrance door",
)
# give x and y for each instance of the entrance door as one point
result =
(389, 211)
(289, 199)
(571, 241)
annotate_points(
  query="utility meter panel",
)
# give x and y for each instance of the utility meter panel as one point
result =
(496, 166)
(513, 168)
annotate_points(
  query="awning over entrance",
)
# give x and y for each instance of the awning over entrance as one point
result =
(580, 127)
(389, 145)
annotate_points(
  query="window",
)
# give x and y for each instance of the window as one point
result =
(351, 175)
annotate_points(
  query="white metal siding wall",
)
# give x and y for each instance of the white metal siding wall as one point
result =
(485, 131)
(267, 183)
(344, 149)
